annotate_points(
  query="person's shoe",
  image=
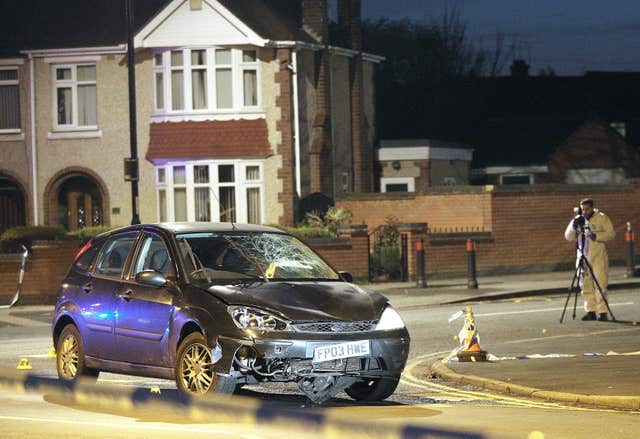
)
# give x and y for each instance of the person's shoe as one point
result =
(603, 317)
(591, 315)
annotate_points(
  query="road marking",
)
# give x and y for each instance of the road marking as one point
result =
(577, 335)
(164, 427)
(22, 321)
(529, 311)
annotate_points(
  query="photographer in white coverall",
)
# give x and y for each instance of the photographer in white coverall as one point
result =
(598, 229)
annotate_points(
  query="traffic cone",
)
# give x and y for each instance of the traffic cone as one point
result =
(52, 353)
(470, 340)
(24, 364)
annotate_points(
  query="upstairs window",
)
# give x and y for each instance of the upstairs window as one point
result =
(9, 99)
(206, 80)
(75, 96)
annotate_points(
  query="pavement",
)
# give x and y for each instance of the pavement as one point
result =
(589, 373)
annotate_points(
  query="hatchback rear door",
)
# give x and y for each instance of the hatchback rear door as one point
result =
(98, 304)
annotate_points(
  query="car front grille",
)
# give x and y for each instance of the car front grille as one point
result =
(336, 327)
(306, 366)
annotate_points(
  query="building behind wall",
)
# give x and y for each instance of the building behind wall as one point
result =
(216, 112)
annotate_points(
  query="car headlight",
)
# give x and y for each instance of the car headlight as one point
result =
(389, 320)
(255, 319)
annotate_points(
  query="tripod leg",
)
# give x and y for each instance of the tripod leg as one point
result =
(571, 287)
(595, 280)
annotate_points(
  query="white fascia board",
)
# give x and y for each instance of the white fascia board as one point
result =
(406, 153)
(77, 51)
(373, 58)
(71, 59)
(350, 53)
(249, 36)
(293, 45)
(497, 170)
(424, 153)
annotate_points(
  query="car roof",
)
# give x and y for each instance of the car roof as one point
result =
(198, 227)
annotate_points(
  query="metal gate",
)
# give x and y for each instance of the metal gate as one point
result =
(388, 255)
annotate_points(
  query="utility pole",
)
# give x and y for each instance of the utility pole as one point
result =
(131, 164)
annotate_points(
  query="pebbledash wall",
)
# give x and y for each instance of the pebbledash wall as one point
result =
(48, 263)
(514, 228)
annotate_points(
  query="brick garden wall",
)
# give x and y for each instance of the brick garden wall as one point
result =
(349, 253)
(46, 266)
(523, 226)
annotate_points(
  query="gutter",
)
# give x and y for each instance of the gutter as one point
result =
(34, 159)
(99, 50)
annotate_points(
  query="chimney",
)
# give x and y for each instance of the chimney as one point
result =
(350, 24)
(519, 69)
(315, 19)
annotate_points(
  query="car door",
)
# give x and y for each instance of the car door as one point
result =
(98, 306)
(143, 311)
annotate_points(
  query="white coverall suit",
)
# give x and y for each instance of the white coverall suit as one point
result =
(597, 255)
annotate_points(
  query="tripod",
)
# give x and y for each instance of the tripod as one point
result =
(580, 269)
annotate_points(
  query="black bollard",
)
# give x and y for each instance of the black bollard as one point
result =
(421, 277)
(471, 266)
(628, 237)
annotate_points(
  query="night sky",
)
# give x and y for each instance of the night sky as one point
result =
(571, 36)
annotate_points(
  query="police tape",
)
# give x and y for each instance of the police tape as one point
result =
(307, 422)
(23, 263)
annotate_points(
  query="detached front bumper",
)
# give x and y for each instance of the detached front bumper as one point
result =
(388, 355)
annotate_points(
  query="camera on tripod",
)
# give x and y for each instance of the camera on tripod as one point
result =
(580, 223)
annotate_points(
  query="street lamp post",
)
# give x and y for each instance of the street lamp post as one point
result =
(131, 164)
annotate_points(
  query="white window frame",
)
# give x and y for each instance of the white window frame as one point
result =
(409, 181)
(240, 183)
(237, 67)
(159, 70)
(73, 84)
(15, 82)
(250, 66)
(531, 177)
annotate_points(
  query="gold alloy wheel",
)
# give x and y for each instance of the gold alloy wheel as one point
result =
(68, 357)
(195, 369)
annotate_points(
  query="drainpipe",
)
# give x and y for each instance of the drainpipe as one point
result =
(34, 161)
(296, 120)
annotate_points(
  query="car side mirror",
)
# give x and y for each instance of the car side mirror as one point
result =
(151, 278)
(346, 276)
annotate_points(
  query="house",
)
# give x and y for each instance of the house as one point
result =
(244, 108)
(416, 164)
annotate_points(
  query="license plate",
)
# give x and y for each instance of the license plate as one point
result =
(341, 350)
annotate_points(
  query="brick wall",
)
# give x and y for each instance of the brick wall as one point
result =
(46, 266)
(523, 226)
(348, 253)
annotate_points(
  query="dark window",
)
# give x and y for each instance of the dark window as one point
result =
(86, 259)
(397, 187)
(153, 255)
(516, 179)
(114, 255)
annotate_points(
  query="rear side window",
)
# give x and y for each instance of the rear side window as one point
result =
(84, 261)
(114, 254)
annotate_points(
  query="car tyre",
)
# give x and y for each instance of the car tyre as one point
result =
(194, 369)
(372, 389)
(70, 360)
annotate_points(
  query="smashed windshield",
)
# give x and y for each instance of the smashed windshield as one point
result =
(216, 257)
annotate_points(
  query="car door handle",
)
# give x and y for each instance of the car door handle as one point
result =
(87, 288)
(126, 295)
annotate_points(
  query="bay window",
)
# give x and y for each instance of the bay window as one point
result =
(75, 96)
(226, 191)
(206, 80)
(9, 100)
